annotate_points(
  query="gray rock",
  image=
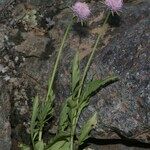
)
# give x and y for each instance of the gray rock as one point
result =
(123, 107)
(5, 129)
(2, 35)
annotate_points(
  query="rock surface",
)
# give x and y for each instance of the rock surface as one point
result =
(27, 56)
(5, 127)
(124, 107)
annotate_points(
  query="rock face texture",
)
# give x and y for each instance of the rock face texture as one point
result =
(5, 128)
(124, 107)
(27, 53)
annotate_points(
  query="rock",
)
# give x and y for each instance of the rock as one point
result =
(33, 45)
(123, 107)
(5, 127)
(2, 35)
(113, 146)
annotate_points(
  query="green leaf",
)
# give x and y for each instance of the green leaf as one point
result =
(64, 120)
(72, 103)
(72, 114)
(46, 110)
(39, 145)
(51, 96)
(35, 133)
(60, 145)
(24, 147)
(66, 146)
(75, 92)
(87, 127)
(75, 72)
(59, 140)
(34, 116)
(82, 105)
(45, 114)
(94, 85)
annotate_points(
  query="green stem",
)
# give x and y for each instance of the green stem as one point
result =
(78, 111)
(57, 60)
(51, 80)
(74, 124)
(72, 134)
(32, 141)
(90, 59)
(40, 135)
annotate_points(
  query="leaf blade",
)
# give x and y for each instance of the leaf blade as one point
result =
(87, 127)
(75, 72)
(34, 116)
(94, 85)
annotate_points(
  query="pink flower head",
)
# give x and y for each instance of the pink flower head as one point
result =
(114, 5)
(81, 10)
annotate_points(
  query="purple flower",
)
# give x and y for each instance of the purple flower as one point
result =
(114, 5)
(81, 10)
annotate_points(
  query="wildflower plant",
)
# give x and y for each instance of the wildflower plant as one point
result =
(42, 112)
(66, 137)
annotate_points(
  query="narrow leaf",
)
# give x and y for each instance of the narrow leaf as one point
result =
(87, 127)
(63, 136)
(72, 103)
(82, 106)
(94, 85)
(24, 147)
(66, 146)
(39, 145)
(34, 116)
(72, 114)
(46, 110)
(64, 120)
(75, 72)
(57, 145)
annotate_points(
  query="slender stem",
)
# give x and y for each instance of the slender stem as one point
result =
(78, 111)
(72, 134)
(32, 140)
(55, 69)
(40, 135)
(74, 124)
(91, 56)
(57, 60)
